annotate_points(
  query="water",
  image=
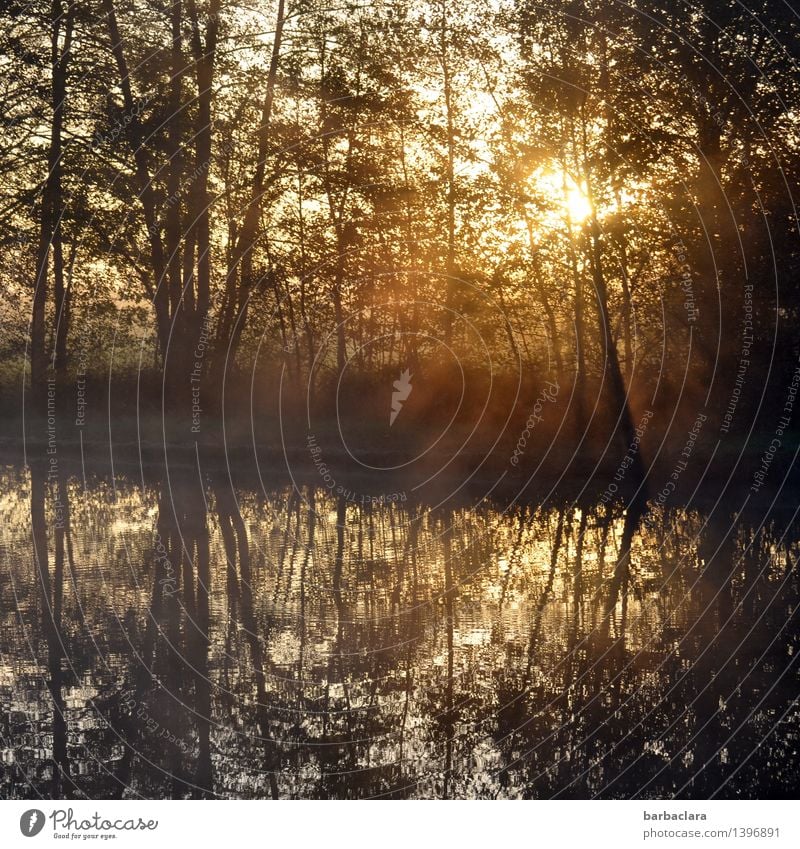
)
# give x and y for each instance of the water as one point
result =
(191, 640)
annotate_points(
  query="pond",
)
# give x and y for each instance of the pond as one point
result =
(183, 636)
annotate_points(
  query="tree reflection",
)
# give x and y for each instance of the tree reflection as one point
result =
(51, 589)
(298, 644)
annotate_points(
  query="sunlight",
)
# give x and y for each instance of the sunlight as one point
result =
(576, 203)
(567, 198)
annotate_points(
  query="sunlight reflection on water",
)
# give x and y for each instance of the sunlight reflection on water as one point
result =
(325, 649)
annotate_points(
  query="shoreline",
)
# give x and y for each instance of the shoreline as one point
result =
(548, 469)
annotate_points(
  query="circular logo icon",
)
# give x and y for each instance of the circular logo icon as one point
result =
(31, 822)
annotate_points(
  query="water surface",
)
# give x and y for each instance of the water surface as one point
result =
(179, 638)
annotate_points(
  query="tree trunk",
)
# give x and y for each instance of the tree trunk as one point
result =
(52, 201)
(239, 280)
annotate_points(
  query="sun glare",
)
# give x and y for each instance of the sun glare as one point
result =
(577, 204)
(567, 197)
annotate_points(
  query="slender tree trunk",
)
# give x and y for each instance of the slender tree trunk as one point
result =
(146, 193)
(239, 280)
(621, 410)
(173, 234)
(450, 262)
(616, 382)
(52, 199)
(62, 300)
(579, 302)
(204, 57)
(541, 291)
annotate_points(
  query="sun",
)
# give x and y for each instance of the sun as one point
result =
(576, 203)
(567, 198)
